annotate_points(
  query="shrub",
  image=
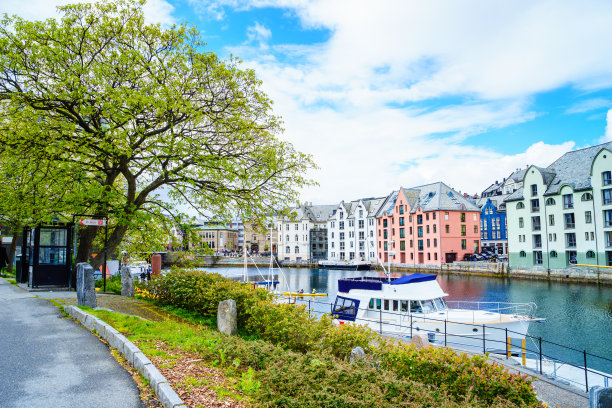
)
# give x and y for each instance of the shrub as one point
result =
(113, 284)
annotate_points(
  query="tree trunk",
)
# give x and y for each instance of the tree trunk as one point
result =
(115, 237)
(15, 231)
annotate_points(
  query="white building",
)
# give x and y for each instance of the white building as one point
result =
(294, 233)
(351, 230)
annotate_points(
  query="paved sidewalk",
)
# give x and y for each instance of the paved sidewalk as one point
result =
(47, 360)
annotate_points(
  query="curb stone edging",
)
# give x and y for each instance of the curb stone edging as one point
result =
(167, 396)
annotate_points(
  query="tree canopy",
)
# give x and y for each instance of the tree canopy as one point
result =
(128, 109)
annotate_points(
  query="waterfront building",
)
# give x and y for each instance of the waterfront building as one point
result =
(294, 233)
(352, 230)
(259, 239)
(216, 237)
(493, 222)
(427, 225)
(563, 213)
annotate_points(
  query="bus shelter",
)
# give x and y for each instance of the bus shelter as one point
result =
(46, 255)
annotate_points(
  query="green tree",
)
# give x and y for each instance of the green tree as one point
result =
(130, 109)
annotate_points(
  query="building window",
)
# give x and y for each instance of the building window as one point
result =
(420, 231)
(427, 229)
(434, 216)
(537, 257)
(553, 254)
(550, 201)
(341, 214)
(426, 216)
(410, 243)
(587, 217)
(587, 197)
(534, 190)
(351, 223)
(402, 234)
(341, 224)
(590, 254)
(520, 205)
(521, 223)
(551, 219)
(446, 215)
(462, 230)
(570, 221)
(607, 196)
(435, 242)
(463, 244)
(434, 228)
(608, 236)
(570, 240)
(535, 223)
(402, 245)
(447, 228)
(361, 224)
(288, 250)
(607, 218)
(462, 217)
(535, 205)
(360, 213)
(606, 178)
(522, 254)
(401, 221)
(428, 242)
(537, 241)
(419, 219)
(385, 223)
(401, 209)
(475, 229)
(572, 257)
(420, 244)
(435, 255)
(568, 201)
(410, 230)
(296, 238)
(429, 256)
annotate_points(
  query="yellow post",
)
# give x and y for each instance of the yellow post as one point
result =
(509, 347)
(523, 347)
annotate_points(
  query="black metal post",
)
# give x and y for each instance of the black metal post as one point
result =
(540, 355)
(410, 325)
(484, 341)
(308, 307)
(105, 250)
(586, 372)
(444, 332)
(506, 341)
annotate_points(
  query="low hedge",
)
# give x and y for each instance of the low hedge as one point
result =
(290, 327)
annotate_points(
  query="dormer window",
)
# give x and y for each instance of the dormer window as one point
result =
(534, 190)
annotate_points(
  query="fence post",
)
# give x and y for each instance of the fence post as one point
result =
(484, 341)
(308, 307)
(444, 332)
(410, 325)
(540, 355)
(508, 345)
(586, 372)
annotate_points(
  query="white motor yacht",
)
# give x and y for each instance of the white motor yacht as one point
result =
(415, 304)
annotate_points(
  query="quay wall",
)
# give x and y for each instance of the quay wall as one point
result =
(492, 269)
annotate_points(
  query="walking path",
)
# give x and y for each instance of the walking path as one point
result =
(47, 360)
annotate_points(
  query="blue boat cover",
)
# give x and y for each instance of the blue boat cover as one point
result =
(415, 277)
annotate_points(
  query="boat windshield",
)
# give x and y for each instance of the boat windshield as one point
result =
(428, 306)
(440, 304)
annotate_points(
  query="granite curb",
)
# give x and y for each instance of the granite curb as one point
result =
(167, 396)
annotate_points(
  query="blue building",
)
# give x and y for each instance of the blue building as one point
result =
(493, 223)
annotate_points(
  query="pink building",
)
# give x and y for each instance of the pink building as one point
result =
(427, 225)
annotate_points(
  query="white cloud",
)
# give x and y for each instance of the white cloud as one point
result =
(588, 105)
(608, 136)
(258, 33)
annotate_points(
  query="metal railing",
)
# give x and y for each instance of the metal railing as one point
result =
(540, 351)
(522, 309)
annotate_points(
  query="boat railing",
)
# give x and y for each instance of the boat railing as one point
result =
(521, 309)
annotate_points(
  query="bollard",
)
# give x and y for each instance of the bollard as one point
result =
(508, 347)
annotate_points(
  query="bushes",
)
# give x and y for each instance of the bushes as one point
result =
(113, 284)
(314, 350)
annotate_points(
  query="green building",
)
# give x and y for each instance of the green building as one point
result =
(563, 213)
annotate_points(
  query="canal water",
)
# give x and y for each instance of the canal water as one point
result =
(577, 315)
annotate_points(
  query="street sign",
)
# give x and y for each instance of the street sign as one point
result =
(92, 222)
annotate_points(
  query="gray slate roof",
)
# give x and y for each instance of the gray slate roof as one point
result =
(430, 197)
(573, 168)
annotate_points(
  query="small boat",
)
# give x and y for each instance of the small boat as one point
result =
(414, 304)
(349, 265)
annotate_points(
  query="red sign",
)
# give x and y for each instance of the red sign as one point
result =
(95, 223)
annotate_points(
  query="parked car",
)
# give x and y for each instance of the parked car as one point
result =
(469, 257)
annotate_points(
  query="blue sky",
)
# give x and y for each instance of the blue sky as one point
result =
(411, 92)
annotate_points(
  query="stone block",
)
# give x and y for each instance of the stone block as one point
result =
(127, 282)
(357, 354)
(152, 374)
(227, 317)
(129, 349)
(86, 285)
(420, 341)
(140, 361)
(168, 397)
(600, 397)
